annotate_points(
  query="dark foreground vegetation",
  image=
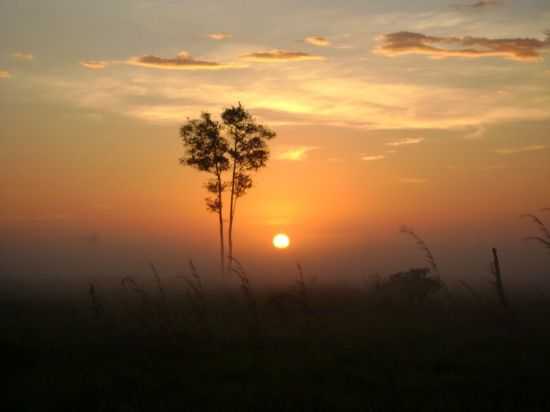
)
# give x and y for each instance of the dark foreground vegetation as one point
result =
(404, 343)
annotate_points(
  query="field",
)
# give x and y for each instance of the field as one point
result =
(155, 347)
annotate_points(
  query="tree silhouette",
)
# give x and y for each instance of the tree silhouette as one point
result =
(248, 151)
(207, 150)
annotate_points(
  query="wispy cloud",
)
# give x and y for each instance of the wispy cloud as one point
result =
(183, 61)
(23, 56)
(280, 56)
(373, 157)
(296, 153)
(321, 97)
(94, 64)
(476, 133)
(437, 47)
(480, 4)
(4, 74)
(407, 141)
(319, 41)
(522, 149)
(220, 36)
(413, 180)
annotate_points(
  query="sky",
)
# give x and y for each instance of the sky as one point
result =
(433, 114)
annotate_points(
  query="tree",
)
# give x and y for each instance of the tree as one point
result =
(207, 151)
(248, 151)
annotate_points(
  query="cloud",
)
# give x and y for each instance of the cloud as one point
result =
(519, 49)
(160, 114)
(94, 64)
(321, 96)
(483, 3)
(183, 61)
(523, 149)
(476, 133)
(413, 180)
(319, 41)
(407, 141)
(23, 56)
(296, 153)
(4, 74)
(373, 157)
(277, 55)
(220, 36)
(480, 4)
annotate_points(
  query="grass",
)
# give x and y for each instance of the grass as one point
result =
(423, 247)
(357, 353)
(544, 237)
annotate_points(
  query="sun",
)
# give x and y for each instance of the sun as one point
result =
(281, 241)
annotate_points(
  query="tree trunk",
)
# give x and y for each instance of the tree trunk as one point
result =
(220, 216)
(232, 212)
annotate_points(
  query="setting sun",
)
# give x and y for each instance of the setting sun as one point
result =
(281, 241)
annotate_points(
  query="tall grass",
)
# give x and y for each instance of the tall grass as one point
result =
(250, 300)
(471, 290)
(302, 291)
(197, 297)
(130, 284)
(544, 237)
(144, 313)
(424, 248)
(497, 283)
(160, 288)
(97, 307)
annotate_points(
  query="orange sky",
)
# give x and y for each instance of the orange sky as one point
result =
(399, 123)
